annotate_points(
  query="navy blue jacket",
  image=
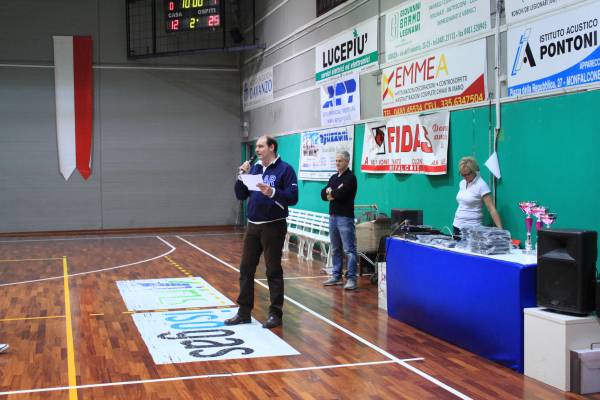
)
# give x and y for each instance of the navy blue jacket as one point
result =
(282, 177)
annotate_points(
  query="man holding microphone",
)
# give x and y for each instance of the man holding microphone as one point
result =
(267, 227)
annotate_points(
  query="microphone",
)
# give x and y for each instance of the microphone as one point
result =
(249, 161)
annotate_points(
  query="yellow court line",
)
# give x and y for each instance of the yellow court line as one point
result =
(70, 347)
(30, 318)
(31, 259)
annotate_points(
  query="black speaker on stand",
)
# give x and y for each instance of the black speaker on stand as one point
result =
(598, 298)
(566, 270)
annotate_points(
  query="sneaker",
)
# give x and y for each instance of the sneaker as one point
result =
(3, 347)
(350, 284)
(333, 281)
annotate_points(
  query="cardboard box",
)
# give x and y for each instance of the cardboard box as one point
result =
(585, 370)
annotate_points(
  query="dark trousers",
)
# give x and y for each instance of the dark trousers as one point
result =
(268, 239)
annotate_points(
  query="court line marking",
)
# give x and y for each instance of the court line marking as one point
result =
(192, 377)
(30, 318)
(31, 259)
(114, 237)
(299, 277)
(71, 371)
(100, 270)
(346, 331)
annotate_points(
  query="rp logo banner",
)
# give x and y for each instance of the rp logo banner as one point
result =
(341, 93)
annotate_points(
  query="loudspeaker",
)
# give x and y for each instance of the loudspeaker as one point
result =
(598, 299)
(566, 270)
(414, 217)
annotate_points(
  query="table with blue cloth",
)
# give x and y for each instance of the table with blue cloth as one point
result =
(473, 301)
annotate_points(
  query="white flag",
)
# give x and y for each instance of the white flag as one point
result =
(493, 166)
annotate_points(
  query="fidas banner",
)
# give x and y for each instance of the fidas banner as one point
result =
(556, 52)
(445, 78)
(415, 144)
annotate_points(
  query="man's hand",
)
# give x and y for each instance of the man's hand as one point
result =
(265, 189)
(329, 196)
(245, 167)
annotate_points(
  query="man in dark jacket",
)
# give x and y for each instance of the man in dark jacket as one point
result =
(267, 227)
(340, 192)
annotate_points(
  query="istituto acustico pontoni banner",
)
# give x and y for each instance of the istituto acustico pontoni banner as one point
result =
(413, 144)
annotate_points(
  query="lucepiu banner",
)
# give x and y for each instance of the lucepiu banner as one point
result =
(414, 144)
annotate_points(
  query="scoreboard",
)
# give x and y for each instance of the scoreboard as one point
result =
(188, 15)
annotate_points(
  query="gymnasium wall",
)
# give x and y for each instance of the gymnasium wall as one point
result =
(166, 130)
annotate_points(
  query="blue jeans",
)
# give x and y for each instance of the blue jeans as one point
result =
(342, 234)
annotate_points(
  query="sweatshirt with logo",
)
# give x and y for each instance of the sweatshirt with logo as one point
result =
(279, 175)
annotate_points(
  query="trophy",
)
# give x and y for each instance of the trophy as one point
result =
(538, 211)
(526, 207)
(548, 219)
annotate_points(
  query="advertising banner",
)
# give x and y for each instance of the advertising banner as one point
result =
(318, 150)
(351, 50)
(340, 101)
(445, 78)
(157, 294)
(414, 144)
(554, 53)
(201, 335)
(257, 90)
(420, 25)
(520, 10)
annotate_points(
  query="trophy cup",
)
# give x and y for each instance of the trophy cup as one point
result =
(548, 219)
(526, 207)
(538, 211)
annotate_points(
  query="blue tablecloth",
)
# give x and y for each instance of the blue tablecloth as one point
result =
(472, 301)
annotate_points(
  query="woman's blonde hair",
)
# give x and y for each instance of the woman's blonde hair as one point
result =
(468, 165)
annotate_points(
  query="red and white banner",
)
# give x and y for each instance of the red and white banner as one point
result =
(413, 144)
(74, 90)
(448, 77)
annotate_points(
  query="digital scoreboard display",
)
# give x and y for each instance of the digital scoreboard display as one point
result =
(189, 15)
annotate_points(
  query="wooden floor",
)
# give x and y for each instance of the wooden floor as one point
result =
(72, 336)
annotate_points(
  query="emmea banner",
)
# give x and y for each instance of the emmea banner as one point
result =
(554, 53)
(415, 144)
(446, 78)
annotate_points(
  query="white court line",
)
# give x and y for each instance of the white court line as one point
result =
(113, 237)
(346, 331)
(99, 270)
(185, 378)
(298, 277)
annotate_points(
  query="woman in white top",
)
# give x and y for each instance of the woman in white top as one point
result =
(472, 194)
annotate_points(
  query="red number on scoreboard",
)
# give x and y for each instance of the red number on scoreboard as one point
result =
(175, 25)
(214, 20)
(171, 5)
